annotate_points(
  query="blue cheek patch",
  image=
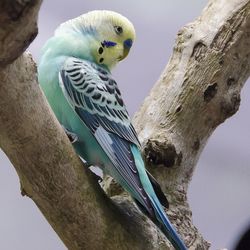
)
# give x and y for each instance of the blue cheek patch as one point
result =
(108, 44)
(128, 43)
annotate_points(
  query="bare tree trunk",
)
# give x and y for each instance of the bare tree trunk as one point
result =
(197, 91)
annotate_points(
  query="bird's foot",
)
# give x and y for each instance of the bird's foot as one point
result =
(97, 177)
(72, 136)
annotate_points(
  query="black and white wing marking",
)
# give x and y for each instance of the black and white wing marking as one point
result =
(94, 95)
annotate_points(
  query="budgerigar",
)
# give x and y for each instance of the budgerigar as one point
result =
(74, 73)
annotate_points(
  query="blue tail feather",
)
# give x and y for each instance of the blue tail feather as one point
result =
(160, 215)
(167, 229)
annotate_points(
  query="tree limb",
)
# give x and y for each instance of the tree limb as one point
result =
(197, 91)
(18, 27)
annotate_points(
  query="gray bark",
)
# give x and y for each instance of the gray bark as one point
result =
(197, 91)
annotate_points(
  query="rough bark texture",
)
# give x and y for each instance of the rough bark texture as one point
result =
(18, 27)
(197, 91)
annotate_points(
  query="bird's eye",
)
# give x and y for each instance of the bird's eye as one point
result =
(118, 30)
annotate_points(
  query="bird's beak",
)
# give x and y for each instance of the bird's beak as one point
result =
(125, 53)
(127, 44)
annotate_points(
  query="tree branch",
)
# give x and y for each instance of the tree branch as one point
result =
(18, 27)
(197, 91)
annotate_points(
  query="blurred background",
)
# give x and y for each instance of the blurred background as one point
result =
(219, 192)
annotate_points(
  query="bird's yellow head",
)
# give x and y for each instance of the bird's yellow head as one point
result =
(111, 36)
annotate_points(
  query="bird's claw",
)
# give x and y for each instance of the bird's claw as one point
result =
(97, 177)
(72, 136)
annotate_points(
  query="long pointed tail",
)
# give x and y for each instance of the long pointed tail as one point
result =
(160, 215)
(167, 228)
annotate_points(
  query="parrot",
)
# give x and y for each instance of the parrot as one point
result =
(74, 72)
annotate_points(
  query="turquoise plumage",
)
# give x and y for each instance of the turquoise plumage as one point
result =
(74, 73)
